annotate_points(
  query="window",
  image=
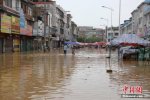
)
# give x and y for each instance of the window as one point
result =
(24, 7)
(17, 5)
(8, 3)
(140, 20)
(116, 34)
(29, 11)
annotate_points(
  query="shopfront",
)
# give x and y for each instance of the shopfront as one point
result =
(1, 45)
(9, 44)
(16, 44)
(26, 40)
(15, 30)
(23, 44)
(30, 44)
(5, 33)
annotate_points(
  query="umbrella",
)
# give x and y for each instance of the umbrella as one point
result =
(72, 43)
(130, 39)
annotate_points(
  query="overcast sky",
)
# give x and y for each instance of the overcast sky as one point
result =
(89, 12)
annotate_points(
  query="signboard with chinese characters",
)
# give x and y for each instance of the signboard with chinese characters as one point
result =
(5, 23)
(15, 25)
(27, 30)
(22, 19)
(40, 28)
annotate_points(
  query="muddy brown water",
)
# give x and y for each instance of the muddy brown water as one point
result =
(83, 76)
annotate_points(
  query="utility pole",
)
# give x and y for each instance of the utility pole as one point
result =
(106, 28)
(111, 10)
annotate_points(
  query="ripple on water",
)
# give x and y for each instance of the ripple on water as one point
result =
(57, 77)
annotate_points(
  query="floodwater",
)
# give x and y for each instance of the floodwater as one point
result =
(83, 76)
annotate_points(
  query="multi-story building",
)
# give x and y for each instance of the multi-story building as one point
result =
(147, 22)
(82, 30)
(10, 27)
(45, 25)
(68, 28)
(70, 33)
(54, 23)
(74, 31)
(126, 27)
(16, 25)
(112, 32)
(139, 18)
(27, 25)
(61, 21)
(139, 23)
(89, 31)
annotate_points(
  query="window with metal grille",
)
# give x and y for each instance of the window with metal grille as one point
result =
(8, 3)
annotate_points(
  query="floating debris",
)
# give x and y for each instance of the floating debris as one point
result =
(109, 71)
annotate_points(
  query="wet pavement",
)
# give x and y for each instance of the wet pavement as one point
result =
(83, 76)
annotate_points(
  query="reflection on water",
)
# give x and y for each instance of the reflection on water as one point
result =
(53, 76)
(25, 76)
(133, 73)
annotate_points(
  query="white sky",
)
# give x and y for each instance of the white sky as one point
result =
(89, 12)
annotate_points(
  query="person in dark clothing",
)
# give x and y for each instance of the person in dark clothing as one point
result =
(73, 50)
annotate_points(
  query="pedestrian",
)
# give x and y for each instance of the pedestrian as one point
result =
(73, 50)
(65, 49)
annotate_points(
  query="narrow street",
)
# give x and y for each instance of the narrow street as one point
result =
(83, 76)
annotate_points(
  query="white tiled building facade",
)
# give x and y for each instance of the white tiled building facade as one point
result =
(139, 23)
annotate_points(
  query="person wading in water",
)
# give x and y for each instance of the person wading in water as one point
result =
(73, 50)
(65, 49)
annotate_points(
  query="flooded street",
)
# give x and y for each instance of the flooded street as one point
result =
(83, 76)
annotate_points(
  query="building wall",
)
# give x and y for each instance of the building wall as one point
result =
(1, 2)
(126, 27)
(88, 31)
(67, 31)
(52, 11)
(147, 25)
(20, 13)
(61, 22)
(112, 33)
(139, 19)
(16, 5)
(53, 22)
(135, 21)
(10, 26)
(73, 35)
(140, 23)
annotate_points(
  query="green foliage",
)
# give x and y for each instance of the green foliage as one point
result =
(89, 40)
